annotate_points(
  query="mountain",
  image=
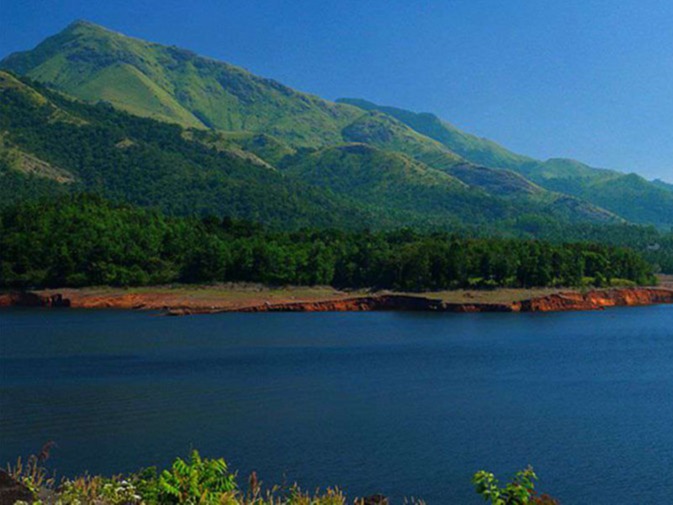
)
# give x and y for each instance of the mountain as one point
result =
(474, 149)
(390, 134)
(661, 184)
(396, 181)
(265, 126)
(389, 179)
(52, 144)
(172, 84)
(628, 195)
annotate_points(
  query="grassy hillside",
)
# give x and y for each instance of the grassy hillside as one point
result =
(128, 158)
(627, 195)
(477, 150)
(495, 181)
(394, 180)
(167, 83)
(662, 184)
(52, 145)
(633, 197)
(390, 180)
(387, 133)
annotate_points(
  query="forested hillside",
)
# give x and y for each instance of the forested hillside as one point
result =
(205, 138)
(84, 240)
(150, 163)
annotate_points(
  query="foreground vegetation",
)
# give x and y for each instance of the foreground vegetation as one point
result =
(203, 481)
(85, 240)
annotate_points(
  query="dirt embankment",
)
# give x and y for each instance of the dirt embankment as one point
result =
(176, 304)
(597, 299)
(565, 301)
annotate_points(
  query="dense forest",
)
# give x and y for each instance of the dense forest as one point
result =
(654, 245)
(85, 240)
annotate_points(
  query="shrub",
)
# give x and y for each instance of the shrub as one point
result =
(197, 481)
(520, 491)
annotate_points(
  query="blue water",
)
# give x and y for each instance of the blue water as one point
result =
(399, 403)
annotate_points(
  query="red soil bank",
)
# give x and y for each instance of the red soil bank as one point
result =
(174, 305)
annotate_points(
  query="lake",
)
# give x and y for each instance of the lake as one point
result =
(407, 404)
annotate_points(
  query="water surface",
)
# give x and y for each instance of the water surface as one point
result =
(400, 403)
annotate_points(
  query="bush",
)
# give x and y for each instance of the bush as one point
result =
(520, 491)
(199, 480)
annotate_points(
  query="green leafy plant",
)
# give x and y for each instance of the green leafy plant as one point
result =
(520, 491)
(197, 481)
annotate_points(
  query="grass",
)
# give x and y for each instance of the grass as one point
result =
(202, 481)
(191, 481)
(504, 295)
(196, 297)
(90, 62)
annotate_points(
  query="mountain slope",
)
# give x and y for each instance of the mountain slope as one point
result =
(167, 83)
(387, 133)
(474, 149)
(74, 147)
(390, 180)
(662, 184)
(150, 163)
(261, 122)
(170, 84)
(395, 181)
(634, 198)
(627, 195)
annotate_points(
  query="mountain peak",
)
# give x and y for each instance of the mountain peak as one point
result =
(170, 84)
(82, 22)
(85, 25)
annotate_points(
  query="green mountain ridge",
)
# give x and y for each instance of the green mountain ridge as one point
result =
(172, 84)
(270, 128)
(199, 172)
(475, 149)
(395, 180)
(150, 163)
(661, 184)
(627, 195)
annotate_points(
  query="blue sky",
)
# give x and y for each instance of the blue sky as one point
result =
(585, 79)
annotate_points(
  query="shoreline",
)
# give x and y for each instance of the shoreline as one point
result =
(180, 301)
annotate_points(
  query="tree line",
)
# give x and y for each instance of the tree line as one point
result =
(82, 240)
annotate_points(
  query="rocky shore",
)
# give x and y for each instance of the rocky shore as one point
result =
(172, 304)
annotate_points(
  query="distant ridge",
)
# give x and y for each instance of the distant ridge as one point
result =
(628, 195)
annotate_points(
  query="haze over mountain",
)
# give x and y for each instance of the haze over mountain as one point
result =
(414, 163)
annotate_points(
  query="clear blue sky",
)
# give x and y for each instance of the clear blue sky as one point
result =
(586, 79)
